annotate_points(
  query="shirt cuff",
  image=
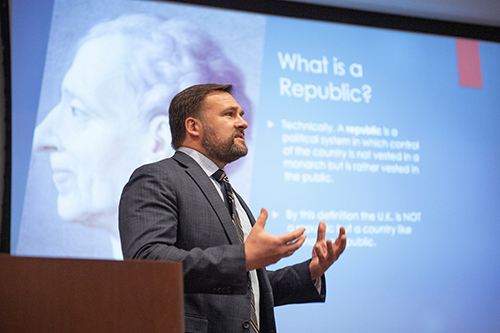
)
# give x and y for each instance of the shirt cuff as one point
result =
(317, 284)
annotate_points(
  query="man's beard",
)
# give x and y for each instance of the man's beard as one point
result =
(222, 151)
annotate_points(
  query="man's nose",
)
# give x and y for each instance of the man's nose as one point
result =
(45, 138)
(241, 123)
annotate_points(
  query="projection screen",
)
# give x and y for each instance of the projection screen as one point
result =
(391, 134)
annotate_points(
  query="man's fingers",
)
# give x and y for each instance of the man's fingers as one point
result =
(331, 249)
(292, 236)
(343, 243)
(294, 246)
(341, 239)
(261, 220)
(321, 232)
(321, 252)
(340, 242)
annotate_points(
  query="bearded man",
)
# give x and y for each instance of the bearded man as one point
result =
(184, 209)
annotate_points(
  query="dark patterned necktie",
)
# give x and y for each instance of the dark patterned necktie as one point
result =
(221, 177)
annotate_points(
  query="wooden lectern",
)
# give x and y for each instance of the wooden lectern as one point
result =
(76, 295)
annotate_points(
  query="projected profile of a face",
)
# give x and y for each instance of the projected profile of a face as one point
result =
(95, 135)
(113, 112)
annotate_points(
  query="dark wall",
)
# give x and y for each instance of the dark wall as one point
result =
(5, 126)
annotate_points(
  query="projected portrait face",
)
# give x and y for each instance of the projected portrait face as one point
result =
(95, 135)
(113, 113)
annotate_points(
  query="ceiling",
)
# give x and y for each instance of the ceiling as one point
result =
(483, 12)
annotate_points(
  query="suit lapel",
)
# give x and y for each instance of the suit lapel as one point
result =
(245, 207)
(208, 189)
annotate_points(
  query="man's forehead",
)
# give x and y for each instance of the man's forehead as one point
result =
(220, 100)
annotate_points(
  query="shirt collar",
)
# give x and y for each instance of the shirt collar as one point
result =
(204, 162)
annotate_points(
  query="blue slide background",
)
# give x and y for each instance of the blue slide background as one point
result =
(442, 277)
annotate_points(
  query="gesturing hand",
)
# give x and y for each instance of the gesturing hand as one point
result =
(324, 252)
(263, 249)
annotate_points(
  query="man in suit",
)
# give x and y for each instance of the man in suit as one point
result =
(174, 210)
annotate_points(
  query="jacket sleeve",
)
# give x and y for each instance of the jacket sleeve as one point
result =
(293, 284)
(153, 226)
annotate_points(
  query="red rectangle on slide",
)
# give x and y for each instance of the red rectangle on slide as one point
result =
(469, 63)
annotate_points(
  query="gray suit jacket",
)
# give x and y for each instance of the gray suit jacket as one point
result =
(170, 210)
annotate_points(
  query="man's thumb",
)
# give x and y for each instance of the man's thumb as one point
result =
(261, 220)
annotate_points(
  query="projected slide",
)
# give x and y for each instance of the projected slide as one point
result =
(379, 132)
(392, 135)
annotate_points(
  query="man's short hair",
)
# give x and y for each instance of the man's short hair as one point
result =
(187, 104)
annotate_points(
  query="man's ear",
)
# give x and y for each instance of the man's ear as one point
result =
(159, 131)
(194, 129)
